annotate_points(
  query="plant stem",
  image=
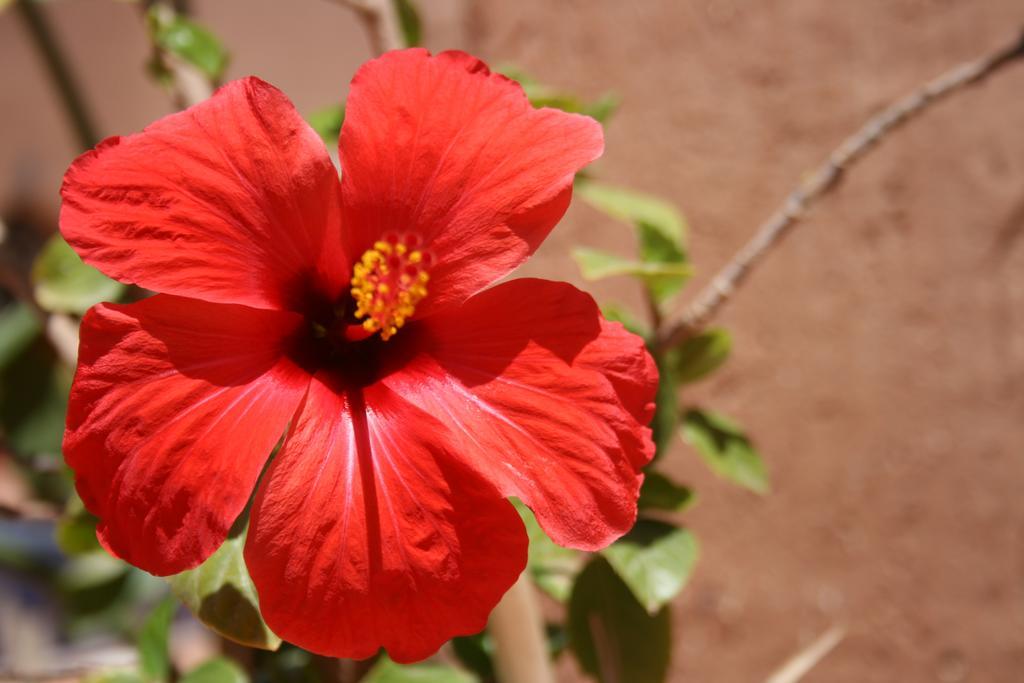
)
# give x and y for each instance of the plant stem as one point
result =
(824, 179)
(381, 23)
(517, 627)
(49, 49)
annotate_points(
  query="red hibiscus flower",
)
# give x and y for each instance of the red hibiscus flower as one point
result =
(357, 315)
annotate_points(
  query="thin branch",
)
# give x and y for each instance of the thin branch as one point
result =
(802, 662)
(38, 27)
(517, 627)
(710, 299)
(188, 85)
(380, 21)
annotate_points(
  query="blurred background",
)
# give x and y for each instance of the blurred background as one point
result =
(878, 355)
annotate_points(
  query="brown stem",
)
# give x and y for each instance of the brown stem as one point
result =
(824, 179)
(517, 627)
(381, 23)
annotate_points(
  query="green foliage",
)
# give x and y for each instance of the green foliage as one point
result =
(221, 595)
(666, 402)
(63, 284)
(113, 676)
(655, 560)
(618, 314)
(34, 388)
(725, 448)
(551, 566)
(476, 653)
(154, 658)
(661, 233)
(327, 123)
(611, 634)
(76, 529)
(188, 41)
(387, 671)
(662, 278)
(541, 95)
(216, 670)
(19, 327)
(409, 21)
(702, 354)
(661, 493)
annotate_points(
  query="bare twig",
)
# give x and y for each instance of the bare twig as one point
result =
(823, 180)
(517, 627)
(802, 662)
(188, 85)
(381, 23)
(34, 17)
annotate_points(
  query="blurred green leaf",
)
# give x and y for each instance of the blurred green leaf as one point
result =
(476, 653)
(216, 670)
(661, 493)
(612, 635)
(63, 284)
(725, 448)
(188, 41)
(551, 566)
(655, 560)
(387, 671)
(666, 405)
(327, 122)
(618, 314)
(409, 21)
(33, 400)
(661, 278)
(154, 655)
(221, 595)
(19, 326)
(541, 95)
(661, 232)
(702, 354)
(76, 529)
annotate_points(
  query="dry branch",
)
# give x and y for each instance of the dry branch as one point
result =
(824, 179)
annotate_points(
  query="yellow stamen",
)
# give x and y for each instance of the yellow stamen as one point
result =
(387, 283)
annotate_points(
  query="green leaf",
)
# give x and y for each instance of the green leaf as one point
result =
(725, 448)
(216, 670)
(541, 95)
(618, 314)
(702, 354)
(63, 284)
(551, 566)
(76, 529)
(595, 264)
(655, 560)
(661, 231)
(409, 21)
(154, 658)
(188, 41)
(476, 653)
(638, 208)
(387, 671)
(666, 406)
(18, 329)
(33, 400)
(221, 595)
(327, 122)
(661, 493)
(611, 634)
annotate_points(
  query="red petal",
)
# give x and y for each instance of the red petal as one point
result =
(175, 408)
(234, 200)
(441, 148)
(546, 400)
(364, 535)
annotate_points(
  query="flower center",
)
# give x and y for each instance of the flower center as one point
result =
(387, 283)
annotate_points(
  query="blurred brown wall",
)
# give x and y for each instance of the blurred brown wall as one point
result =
(880, 351)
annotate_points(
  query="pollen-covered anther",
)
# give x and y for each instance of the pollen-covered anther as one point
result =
(387, 283)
